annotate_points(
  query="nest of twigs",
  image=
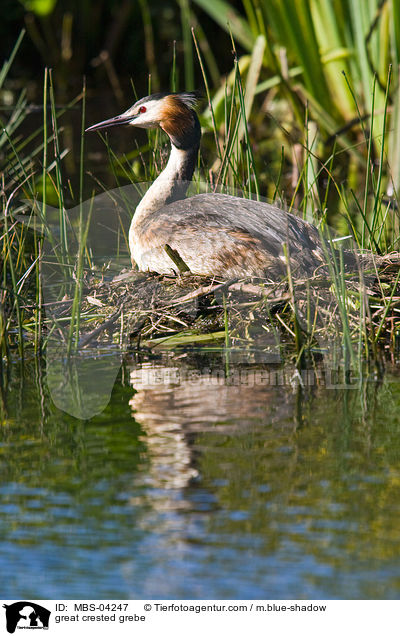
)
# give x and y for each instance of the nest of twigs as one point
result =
(148, 310)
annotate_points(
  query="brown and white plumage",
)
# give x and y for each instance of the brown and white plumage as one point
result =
(214, 234)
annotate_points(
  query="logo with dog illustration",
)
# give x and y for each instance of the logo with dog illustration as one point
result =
(26, 615)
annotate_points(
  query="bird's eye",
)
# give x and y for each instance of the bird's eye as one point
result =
(142, 109)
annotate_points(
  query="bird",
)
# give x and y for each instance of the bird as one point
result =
(213, 234)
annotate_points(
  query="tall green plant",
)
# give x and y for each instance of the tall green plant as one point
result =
(312, 45)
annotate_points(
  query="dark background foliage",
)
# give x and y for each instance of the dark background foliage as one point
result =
(108, 41)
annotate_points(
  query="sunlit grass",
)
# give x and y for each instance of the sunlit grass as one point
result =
(368, 215)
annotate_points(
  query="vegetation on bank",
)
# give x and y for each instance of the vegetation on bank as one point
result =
(308, 116)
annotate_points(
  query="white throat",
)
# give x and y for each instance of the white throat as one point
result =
(171, 185)
(162, 189)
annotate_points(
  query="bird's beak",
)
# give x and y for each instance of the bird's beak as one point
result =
(119, 120)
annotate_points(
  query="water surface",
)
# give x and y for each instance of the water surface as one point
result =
(195, 485)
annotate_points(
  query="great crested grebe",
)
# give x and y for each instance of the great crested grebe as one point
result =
(214, 234)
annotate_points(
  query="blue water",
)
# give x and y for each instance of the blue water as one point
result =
(192, 490)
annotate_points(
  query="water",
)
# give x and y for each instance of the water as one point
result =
(191, 487)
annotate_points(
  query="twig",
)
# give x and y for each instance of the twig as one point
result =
(93, 334)
(199, 292)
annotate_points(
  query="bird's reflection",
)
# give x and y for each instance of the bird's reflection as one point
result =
(175, 404)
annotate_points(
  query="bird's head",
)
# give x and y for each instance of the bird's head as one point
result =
(173, 112)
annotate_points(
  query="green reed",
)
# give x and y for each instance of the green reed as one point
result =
(364, 214)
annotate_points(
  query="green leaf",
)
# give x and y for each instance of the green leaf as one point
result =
(230, 20)
(40, 7)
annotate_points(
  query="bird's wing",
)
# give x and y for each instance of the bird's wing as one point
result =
(223, 233)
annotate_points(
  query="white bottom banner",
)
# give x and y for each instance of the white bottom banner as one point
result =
(197, 617)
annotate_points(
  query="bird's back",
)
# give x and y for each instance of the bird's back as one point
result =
(218, 234)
